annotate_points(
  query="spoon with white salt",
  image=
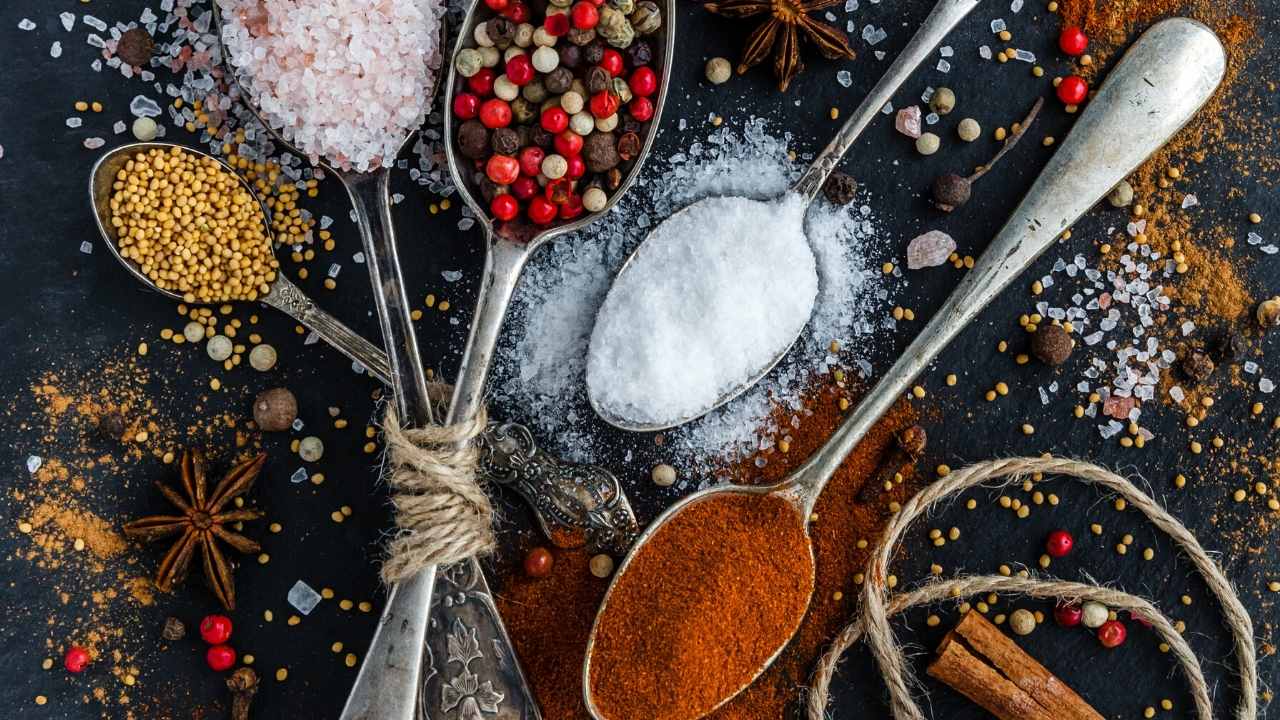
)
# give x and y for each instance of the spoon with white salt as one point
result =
(1164, 78)
(661, 355)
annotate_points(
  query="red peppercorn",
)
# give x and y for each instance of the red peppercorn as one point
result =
(603, 104)
(611, 61)
(572, 207)
(1059, 543)
(502, 169)
(504, 207)
(215, 629)
(554, 120)
(641, 108)
(558, 190)
(531, 161)
(1073, 41)
(520, 69)
(220, 657)
(497, 5)
(568, 143)
(643, 82)
(576, 167)
(524, 187)
(538, 562)
(1073, 90)
(482, 82)
(495, 113)
(1067, 614)
(585, 15)
(76, 659)
(517, 12)
(466, 105)
(556, 24)
(541, 211)
(1112, 634)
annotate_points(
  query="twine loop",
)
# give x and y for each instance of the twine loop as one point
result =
(442, 513)
(877, 605)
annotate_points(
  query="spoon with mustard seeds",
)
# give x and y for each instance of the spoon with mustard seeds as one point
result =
(1164, 78)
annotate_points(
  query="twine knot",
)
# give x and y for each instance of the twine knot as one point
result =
(442, 513)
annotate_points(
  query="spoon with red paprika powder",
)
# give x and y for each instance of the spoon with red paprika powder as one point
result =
(717, 585)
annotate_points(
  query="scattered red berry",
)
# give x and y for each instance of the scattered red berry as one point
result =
(466, 105)
(641, 108)
(504, 207)
(538, 562)
(568, 143)
(541, 210)
(585, 15)
(603, 104)
(1073, 90)
(520, 69)
(502, 169)
(577, 167)
(643, 82)
(76, 659)
(482, 82)
(1059, 543)
(556, 24)
(1112, 634)
(559, 190)
(495, 113)
(531, 161)
(554, 120)
(497, 5)
(524, 188)
(1067, 615)
(215, 629)
(612, 62)
(517, 12)
(572, 207)
(220, 657)
(1073, 41)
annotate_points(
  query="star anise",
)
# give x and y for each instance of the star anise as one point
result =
(202, 523)
(782, 33)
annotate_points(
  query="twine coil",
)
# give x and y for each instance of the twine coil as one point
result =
(442, 513)
(873, 619)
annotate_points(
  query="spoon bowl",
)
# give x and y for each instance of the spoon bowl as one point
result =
(1163, 79)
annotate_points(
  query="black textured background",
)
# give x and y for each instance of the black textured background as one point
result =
(70, 312)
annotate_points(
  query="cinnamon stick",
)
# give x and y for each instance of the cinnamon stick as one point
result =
(980, 662)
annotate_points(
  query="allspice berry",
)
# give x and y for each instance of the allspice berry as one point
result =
(473, 140)
(840, 188)
(1051, 344)
(600, 152)
(1196, 366)
(928, 143)
(969, 130)
(1121, 195)
(1268, 313)
(1022, 622)
(135, 47)
(943, 101)
(719, 70)
(950, 191)
(275, 410)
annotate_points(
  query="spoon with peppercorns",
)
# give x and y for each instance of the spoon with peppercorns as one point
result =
(614, 393)
(1164, 78)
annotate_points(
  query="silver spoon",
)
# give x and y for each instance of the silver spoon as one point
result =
(941, 20)
(1159, 84)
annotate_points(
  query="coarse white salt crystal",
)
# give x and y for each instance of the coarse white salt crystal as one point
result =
(1266, 385)
(1024, 55)
(297, 424)
(302, 597)
(1015, 6)
(1, 152)
(1254, 239)
(119, 127)
(26, 24)
(998, 25)
(946, 51)
(55, 50)
(94, 23)
(873, 34)
(451, 275)
(143, 106)
(68, 20)
(1176, 392)
(34, 462)
(845, 78)
(850, 5)
(1189, 200)
(706, 304)
(299, 475)
(944, 66)
(1269, 249)
(93, 143)
(984, 52)
(86, 247)
(74, 122)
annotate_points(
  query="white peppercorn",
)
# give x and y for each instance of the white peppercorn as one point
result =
(664, 475)
(969, 130)
(607, 124)
(543, 38)
(582, 123)
(481, 34)
(943, 101)
(468, 62)
(1121, 195)
(524, 35)
(262, 357)
(504, 89)
(601, 566)
(572, 102)
(1093, 614)
(1022, 622)
(554, 166)
(193, 332)
(928, 143)
(594, 200)
(545, 59)
(510, 53)
(311, 448)
(219, 348)
(145, 129)
(719, 70)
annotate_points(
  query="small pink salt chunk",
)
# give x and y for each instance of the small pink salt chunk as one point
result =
(1118, 407)
(1104, 300)
(929, 250)
(907, 121)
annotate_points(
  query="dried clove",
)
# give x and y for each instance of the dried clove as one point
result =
(951, 190)
(173, 629)
(243, 684)
(908, 446)
(1196, 366)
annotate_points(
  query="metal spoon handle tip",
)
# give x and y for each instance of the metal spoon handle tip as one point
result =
(941, 21)
(1155, 89)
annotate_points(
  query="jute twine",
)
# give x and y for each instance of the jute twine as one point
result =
(877, 605)
(442, 513)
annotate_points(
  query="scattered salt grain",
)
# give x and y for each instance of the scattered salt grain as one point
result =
(94, 23)
(1025, 56)
(298, 476)
(93, 143)
(86, 247)
(873, 34)
(998, 26)
(1189, 201)
(984, 52)
(68, 21)
(34, 462)
(720, 290)
(946, 51)
(930, 249)
(143, 106)
(1266, 386)
(26, 24)
(303, 597)
(1015, 6)
(944, 66)
(74, 122)
(55, 50)
(845, 78)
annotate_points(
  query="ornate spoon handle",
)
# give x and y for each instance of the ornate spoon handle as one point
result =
(292, 301)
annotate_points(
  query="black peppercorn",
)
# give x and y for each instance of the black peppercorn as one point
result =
(505, 141)
(630, 125)
(640, 53)
(135, 47)
(1231, 346)
(593, 51)
(628, 146)
(581, 37)
(473, 140)
(600, 152)
(570, 57)
(112, 426)
(558, 81)
(1196, 366)
(542, 138)
(840, 188)
(501, 31)
(598, 80)
(488, 188)
(950, 191)
(1051, 344)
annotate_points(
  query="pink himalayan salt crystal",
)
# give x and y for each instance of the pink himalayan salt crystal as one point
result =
(342, 80)
(929, 250)
(907, 121)
(1119, 407)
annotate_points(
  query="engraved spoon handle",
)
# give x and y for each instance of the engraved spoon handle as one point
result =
(942, 19)
(291, 300)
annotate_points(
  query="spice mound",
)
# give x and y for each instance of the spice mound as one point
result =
(346, 80)
(191, 227)
(712, 595)
(712, 298)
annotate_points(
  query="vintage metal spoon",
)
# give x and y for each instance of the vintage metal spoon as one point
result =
(1160, 83)
(941, 20)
